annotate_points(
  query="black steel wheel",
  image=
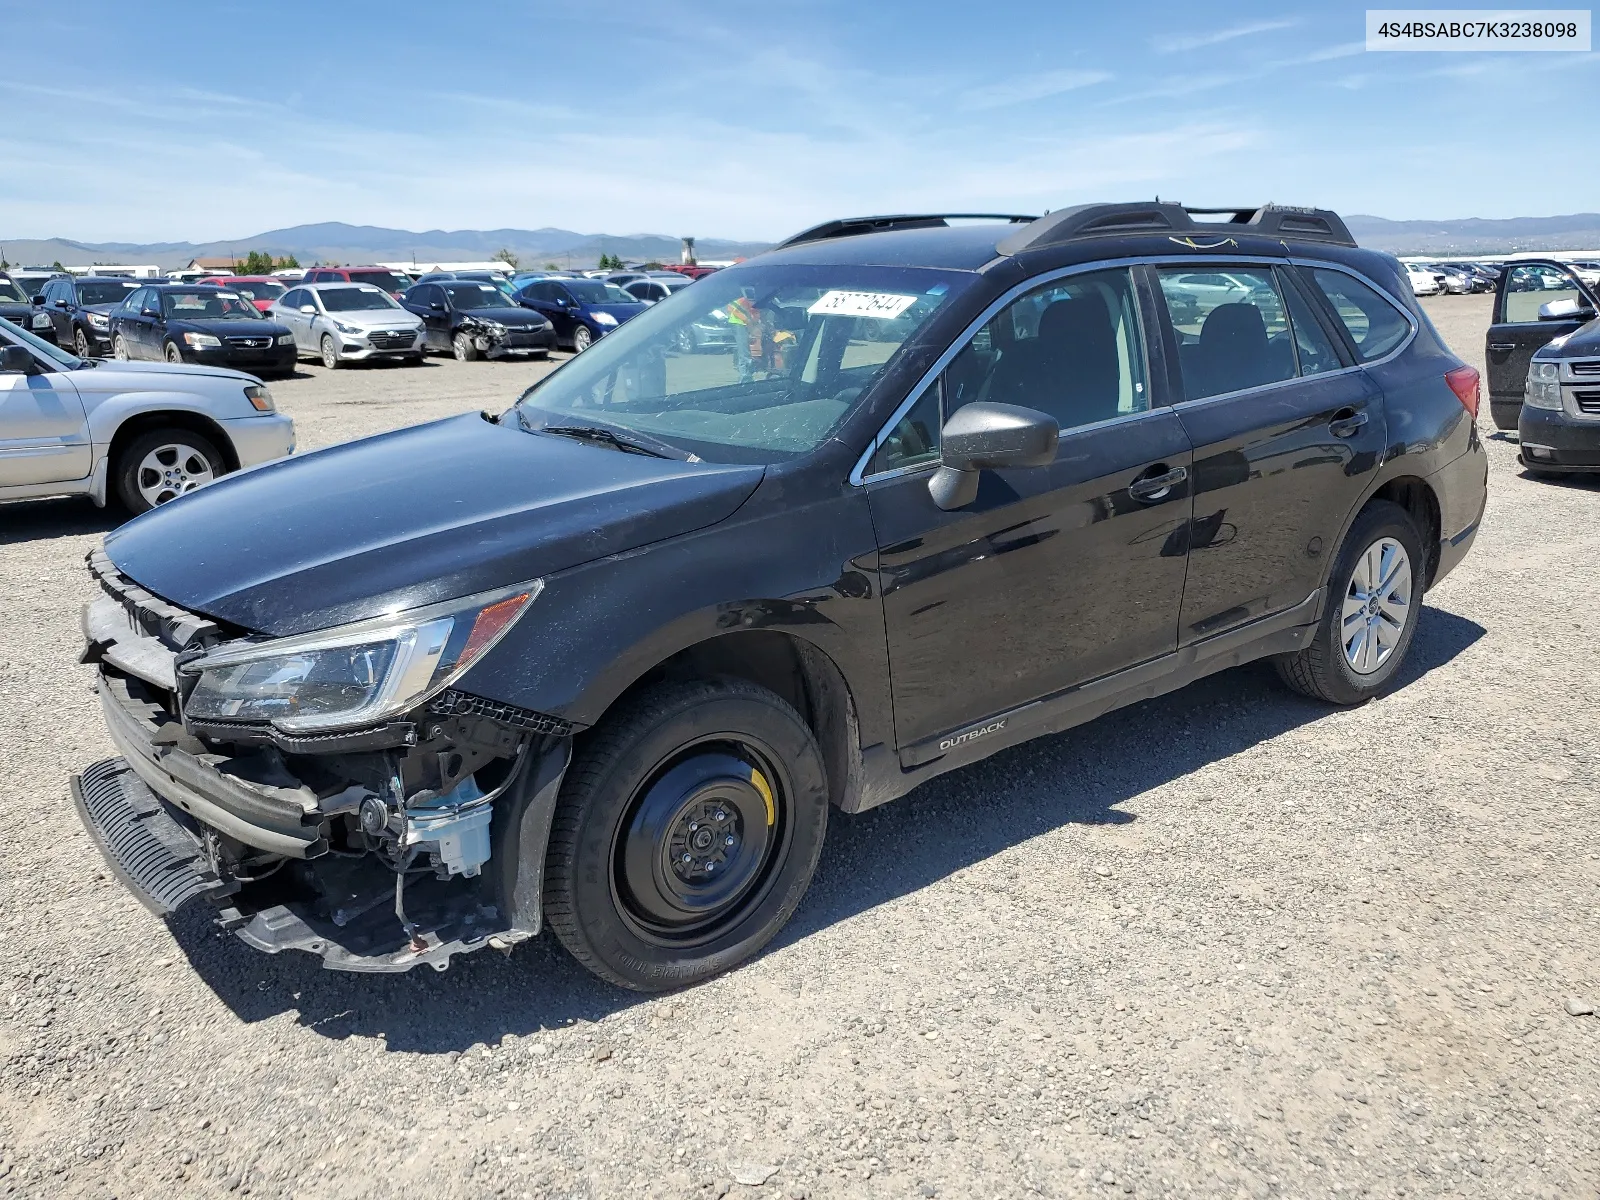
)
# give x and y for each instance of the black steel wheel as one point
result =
(687, 830)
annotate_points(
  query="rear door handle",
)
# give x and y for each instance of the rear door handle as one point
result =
(1346, 422)
(1152, 489)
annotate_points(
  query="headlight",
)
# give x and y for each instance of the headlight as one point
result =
(286, 339)
(604, 319)
(343, 328)
(1544, 385)
(260, 399)
(201, 341)
(355, 674)
(99, 320)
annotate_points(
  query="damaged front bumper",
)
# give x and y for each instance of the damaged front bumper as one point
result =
(494, 340)
(377, 849)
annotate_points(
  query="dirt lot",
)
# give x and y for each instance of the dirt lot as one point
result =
(1225, 943)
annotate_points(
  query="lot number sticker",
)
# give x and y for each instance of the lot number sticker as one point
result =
(882, 305)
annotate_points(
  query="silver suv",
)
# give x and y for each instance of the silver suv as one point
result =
(142, 433)
(349, 322)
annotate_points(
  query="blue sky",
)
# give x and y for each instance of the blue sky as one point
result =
(188, 121)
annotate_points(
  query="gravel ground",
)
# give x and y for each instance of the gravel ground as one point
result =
(1225, 943)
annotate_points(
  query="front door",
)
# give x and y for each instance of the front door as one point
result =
(44, 434)
(1517, 330)
(1055, 575)
(1286, 432)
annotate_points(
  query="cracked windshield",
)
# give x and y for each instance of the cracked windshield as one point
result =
(755, 364)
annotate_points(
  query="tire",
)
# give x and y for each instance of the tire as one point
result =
(181, 459)
(1504, 413)
(673, 774)
(119, 349)
(465, 350)
(330, 353)
(1327, 669)
(172, 354)
(80, 344)
(582, 339)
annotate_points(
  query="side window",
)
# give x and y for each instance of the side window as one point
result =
(1071, 348)
(1232, 329)
(293, 299)
(1374, 324)
(1313, 350)
(1533, 285)
(915, 437)
(53, 292)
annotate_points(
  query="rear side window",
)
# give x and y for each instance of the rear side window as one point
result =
(1532, 286)
(1232, 329)
(1375, 325)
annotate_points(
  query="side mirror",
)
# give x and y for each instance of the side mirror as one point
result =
(982, 437)
(63, 304)
(14, 360)
(1566, 310)
(310, 310)
(149, 312)
(436, 305)
(39, 299)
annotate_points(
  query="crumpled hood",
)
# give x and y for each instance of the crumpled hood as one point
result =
(410, 517)
(510, 316)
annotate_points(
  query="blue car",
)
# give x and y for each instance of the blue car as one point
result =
(582, 310)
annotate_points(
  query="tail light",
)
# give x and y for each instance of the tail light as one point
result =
(1463, 382)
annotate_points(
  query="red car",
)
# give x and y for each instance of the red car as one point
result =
(260, 290)
(390, 281)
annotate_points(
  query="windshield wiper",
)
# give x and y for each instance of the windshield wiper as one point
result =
(617, 441)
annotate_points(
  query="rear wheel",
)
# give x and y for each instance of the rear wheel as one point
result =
(464, 348)
(162, 465)
(1371, 611)
(687, 830)
(330, 353)
(582, 339)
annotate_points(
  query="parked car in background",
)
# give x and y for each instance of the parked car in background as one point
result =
(196, 323)
(654, 288)
(76, 312)
(499, 280)
(32, 280)
(381, 277)
(137, 433)
(1423, 282)
(582, 310)
(1558, 427)
(1536, 302)
(16, 305)
(260, 290)
(606, 661)
(476, 320)
(523, 278)
(350, 322)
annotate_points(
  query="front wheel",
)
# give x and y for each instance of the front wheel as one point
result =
(465, 350)
(1370, 614)
(582, 339)
(330, 353)
(162, 465)
(80, 344)
(119, 348)
(687, 830)
(173, 354)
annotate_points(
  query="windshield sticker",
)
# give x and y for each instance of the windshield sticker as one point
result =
(881, 305)
(229, 295)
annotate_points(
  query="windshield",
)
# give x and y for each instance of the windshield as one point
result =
(354, 299)
(388, 281)
(592, 291)
(42, 348)
(254, 290)
(104, 293)
(475, 295)
(10, 291)
(207, 306)
(757, 364)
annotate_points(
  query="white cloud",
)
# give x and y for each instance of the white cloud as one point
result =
(1172, 45)
(1024, 88)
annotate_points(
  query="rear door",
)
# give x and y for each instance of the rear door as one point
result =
(1286, 433)
(1054, 575)
(1517, 331)
(44, 433)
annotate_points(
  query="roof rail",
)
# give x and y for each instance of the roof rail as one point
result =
(1102, 220)
(850, 226)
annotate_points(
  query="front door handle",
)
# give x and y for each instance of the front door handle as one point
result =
(1502, 347)
(1152, 489)
(1346, 422)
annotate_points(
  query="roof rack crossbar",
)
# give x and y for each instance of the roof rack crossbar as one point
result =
(850, 226)
(1158, 216)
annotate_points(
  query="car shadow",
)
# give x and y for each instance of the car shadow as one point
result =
(1084, 777)
(1578, 480)
(40, 520)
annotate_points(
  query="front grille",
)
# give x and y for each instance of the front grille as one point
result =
(250, 343)
(1588, 402)
(1587, 367)
(392, 340)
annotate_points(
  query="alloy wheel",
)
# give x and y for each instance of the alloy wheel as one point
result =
(81, 340)
(1377, 605)
(169, 471)
(582, 339)
(119, 349)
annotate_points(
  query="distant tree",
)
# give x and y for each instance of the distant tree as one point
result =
(551, 267)
(288, 263)
(653, 266)
(56, 266)
(254, 263)
(505, 256)
(609, 262)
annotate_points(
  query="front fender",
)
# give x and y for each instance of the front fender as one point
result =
(108, 413)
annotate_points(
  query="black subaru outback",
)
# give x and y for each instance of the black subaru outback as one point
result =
(604, 660)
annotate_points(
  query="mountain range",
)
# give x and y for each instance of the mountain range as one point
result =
(336, 242)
